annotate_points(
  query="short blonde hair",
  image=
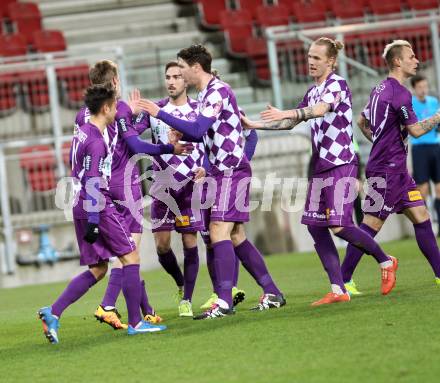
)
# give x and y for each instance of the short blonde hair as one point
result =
(393, 50)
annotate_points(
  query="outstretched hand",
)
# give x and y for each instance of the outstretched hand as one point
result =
(149, 106)
(272, 114)
(174, 136)
(183, 149)
(133, 101)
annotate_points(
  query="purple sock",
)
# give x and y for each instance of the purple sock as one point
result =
(224, 257)
(190, 270)
(113, 288)
(145, 305)
(77, 287)
(428, 245)
(236, 270)
(354, 255)
(253, 262)
(359, 238)
(211, 268)
(169, 263)
(131, 287)
(328, 254)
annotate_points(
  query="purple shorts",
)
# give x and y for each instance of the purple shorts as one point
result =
(133, 222)
(390, 193)
(330, 197)
(185, 220)
(114, 239)
(229, 191)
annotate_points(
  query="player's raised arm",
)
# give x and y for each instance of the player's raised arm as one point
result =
(192, 130)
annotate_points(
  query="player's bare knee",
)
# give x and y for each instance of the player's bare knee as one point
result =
(336, 229)
(99, 271)
(238, 235)
(189, 240)
(130, 258)
(373, 222)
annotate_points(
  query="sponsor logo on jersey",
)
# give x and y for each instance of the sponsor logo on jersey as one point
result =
(122, 124)
(87, 162)
(405, 112)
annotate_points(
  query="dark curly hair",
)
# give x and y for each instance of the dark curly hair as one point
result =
(196, 54)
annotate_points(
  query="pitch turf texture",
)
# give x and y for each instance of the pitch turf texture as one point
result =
(371, 339)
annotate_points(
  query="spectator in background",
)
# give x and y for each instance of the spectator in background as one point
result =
(426, 148)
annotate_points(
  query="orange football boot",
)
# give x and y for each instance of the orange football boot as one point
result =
(332, 298)
(389, 277)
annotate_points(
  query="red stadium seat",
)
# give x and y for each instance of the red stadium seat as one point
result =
(35, 90)
(271, 16)
(73, 81)
(39, 163)
(13, 45)
(423, 4)
(421, 41)
(373, 44)
(8, 100)
(4, 4)
(209, 12)
(49, 41)
(26, 17)
(348, 9)
(237, 26)
(251, 6)
(384, 7)
(256, 48)
(306, 11)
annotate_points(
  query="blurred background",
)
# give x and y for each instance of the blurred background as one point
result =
(259, 48)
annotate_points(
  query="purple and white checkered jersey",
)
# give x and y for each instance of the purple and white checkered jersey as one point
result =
(389, 111)
(332, 134)
(224, 139)
(184, 166)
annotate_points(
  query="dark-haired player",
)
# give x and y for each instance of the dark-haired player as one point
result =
(218, 125)
(123, 141)
(99, 232)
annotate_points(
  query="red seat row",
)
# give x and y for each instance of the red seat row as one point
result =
(304, 11)
(25, 17)
(32, 85)
(33, 88)
(39, 164)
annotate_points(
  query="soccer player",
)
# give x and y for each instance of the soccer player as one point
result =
(327, 104)
(386, 121)
(218, 125)
(238, 295)
(123, 141)
(183, 170)
(426, 149)
(97, 222)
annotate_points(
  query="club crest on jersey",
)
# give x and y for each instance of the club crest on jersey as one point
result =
(216, 108)
(79, 134)
(176, 113)
(192, 116)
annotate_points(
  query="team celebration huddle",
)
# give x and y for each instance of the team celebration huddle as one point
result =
(201, 153)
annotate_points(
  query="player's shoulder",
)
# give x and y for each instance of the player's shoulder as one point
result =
(220, 87)
(162, 102)
(335, 83)
(192, 103)
(80, 115)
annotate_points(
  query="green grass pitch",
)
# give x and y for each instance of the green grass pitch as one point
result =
(371, 339)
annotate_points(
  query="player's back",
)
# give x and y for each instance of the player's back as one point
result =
(389, 109)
